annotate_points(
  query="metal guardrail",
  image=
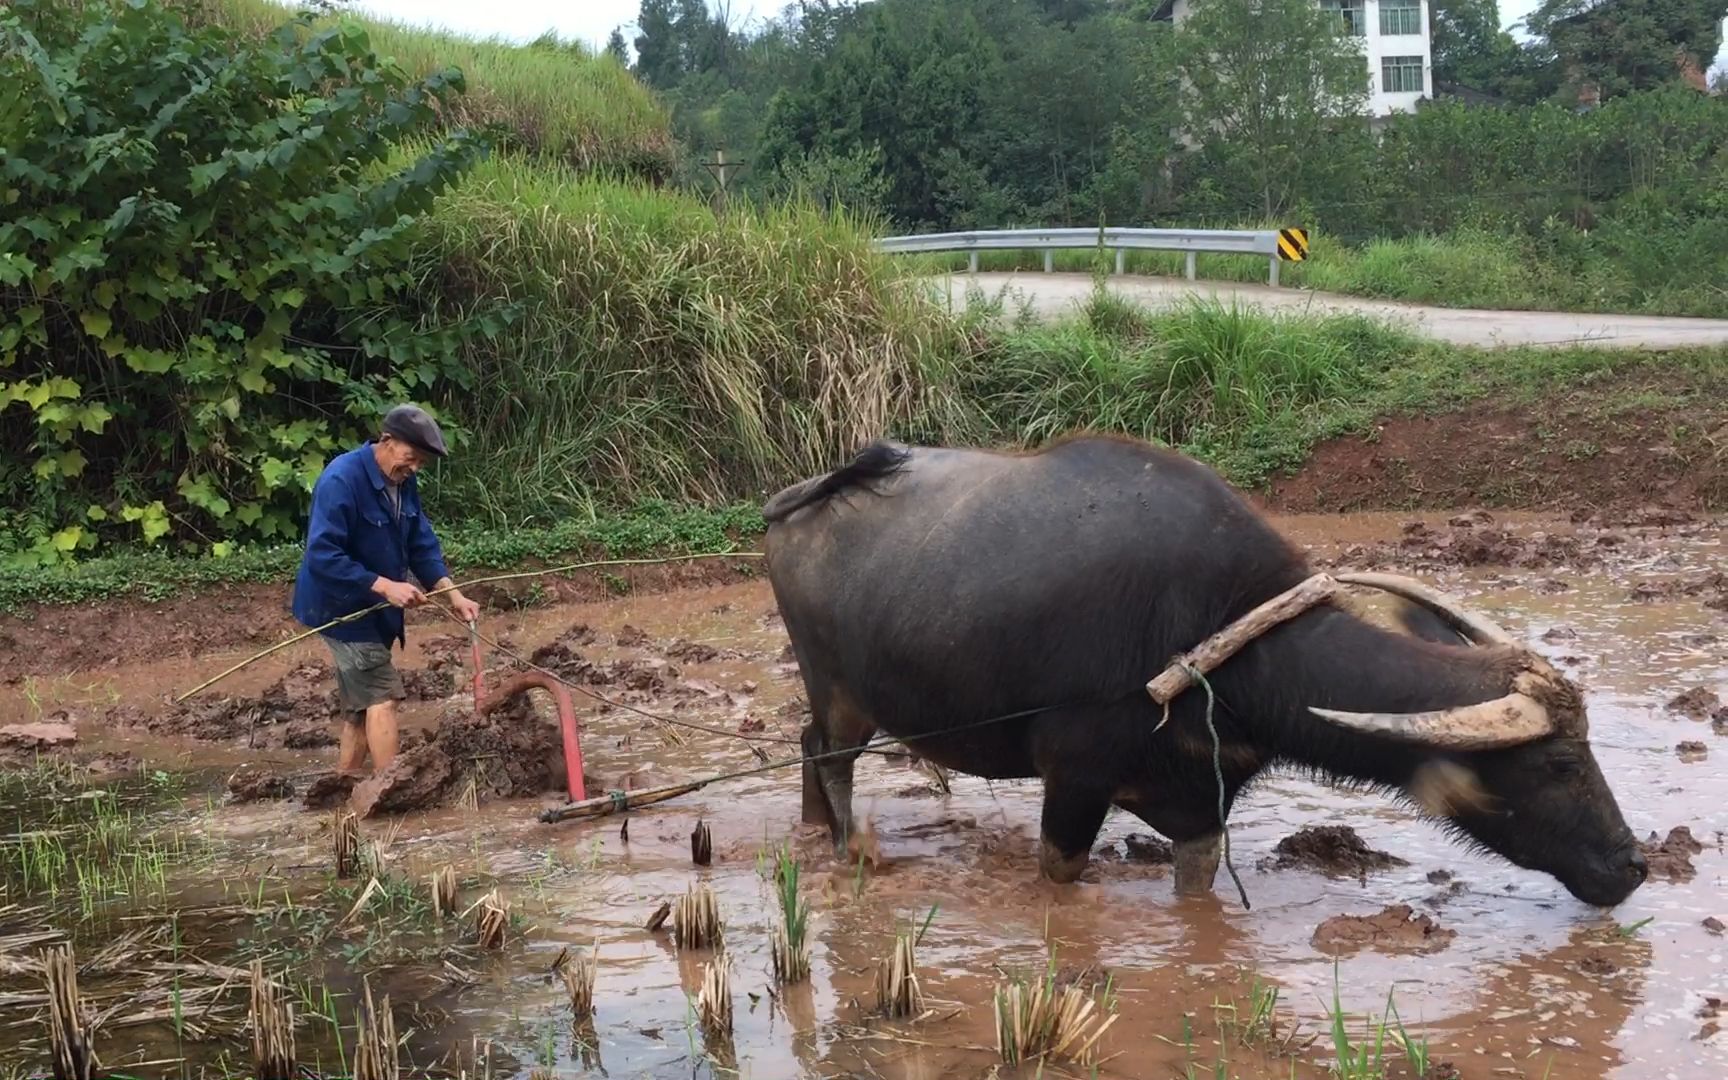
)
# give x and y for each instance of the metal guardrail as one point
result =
(1263, 242)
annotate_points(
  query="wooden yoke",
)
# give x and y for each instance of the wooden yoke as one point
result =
(1221, 646)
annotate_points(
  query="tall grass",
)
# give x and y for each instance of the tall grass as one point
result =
(554, 98)
(661, 350)
(1202, 371)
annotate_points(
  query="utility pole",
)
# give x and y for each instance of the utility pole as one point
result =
(718, 167)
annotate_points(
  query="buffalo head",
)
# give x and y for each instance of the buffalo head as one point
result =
(1514, 774)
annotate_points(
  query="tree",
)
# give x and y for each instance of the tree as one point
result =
(911, 78)
(657, 61)
(616, 48)
(1624, 45)
(1262, 85)
(1472, 52)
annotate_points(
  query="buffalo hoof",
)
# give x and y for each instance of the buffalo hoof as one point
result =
(1060, 868)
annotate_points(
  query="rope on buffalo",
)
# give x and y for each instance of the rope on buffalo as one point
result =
(1218, 774)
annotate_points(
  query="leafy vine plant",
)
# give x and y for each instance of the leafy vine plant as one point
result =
(208, 268)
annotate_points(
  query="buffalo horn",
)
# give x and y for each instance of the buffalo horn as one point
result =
(1489, 725)
(1478, 628)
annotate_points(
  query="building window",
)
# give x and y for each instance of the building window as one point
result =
(1401, 74)
(1401, 17)
(1352, 12)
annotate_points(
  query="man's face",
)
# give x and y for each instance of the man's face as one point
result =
(398, 460)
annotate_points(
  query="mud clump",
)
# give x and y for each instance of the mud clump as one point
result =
(510, 753)
(112, 766)
(1711, 1013)
(1699, 703)
(329, 790)
(1710, 589)
(1671, 858)
(1692, 751)
(429, 684)
(562, 654)
(632, 637)
(1334, 850)
(1142, 848)
(29, 738)
(414, 779)
(309, 735)
(631, 680)
(253, 785)
(635, 681)
(695, 652)
(1474, 541)
(1396, 929)
(507, 753)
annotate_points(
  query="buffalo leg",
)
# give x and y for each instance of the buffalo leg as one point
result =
(815, 809)
(1197, 863)
(1073, 814)
(834, 738)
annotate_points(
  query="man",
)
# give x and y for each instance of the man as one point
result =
(367, 535)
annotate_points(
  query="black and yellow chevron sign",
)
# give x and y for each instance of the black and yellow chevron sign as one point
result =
(1292, 244)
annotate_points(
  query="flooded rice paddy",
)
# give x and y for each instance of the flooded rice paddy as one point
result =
(168, 890)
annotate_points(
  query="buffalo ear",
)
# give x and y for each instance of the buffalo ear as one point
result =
(1420, 622)
(1446, 789)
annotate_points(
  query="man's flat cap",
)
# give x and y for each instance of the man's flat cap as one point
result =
(411, 424)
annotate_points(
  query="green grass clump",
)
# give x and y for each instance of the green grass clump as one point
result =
(553, 98)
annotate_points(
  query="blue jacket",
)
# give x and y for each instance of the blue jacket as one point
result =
(352, 540)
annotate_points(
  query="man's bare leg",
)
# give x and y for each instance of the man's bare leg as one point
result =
(351, 744)
(381, 734)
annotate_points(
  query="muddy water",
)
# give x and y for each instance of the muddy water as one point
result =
(1533, 984)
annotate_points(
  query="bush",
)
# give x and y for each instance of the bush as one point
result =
(202, 286)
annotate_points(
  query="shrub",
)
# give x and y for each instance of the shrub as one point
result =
(202, 270)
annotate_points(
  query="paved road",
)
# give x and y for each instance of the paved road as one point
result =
(1056, 294)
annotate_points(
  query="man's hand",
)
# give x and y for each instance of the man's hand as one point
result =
(467, 609)
(399, 593)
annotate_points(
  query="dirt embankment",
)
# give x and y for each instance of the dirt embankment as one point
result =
(1623, 442)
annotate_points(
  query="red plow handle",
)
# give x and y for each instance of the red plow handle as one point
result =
(517, 684)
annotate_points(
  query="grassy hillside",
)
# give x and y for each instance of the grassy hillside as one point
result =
(555, 99)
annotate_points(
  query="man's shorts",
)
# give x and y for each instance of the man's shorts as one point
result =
(364, 674)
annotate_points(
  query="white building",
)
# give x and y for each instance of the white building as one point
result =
(1396, 41)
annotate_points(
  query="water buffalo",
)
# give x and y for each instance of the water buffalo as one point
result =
(928, 589)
